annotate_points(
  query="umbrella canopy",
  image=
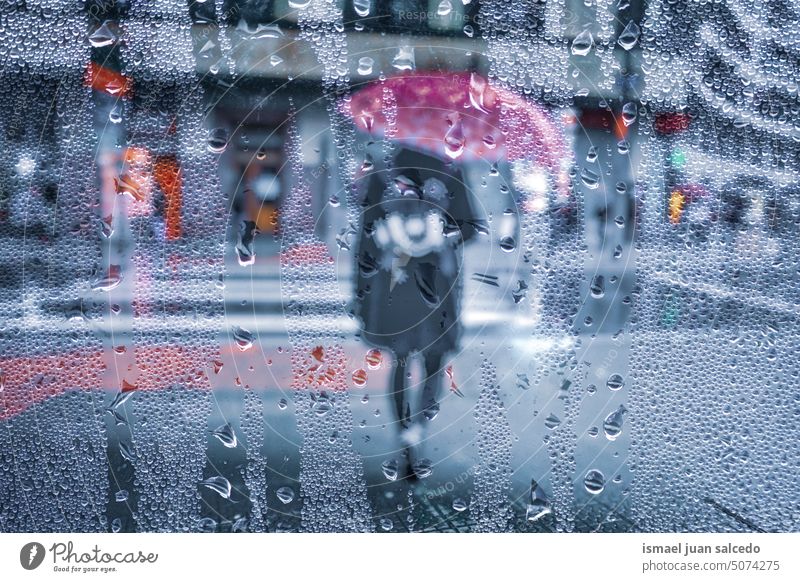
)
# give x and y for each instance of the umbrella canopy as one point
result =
(459, 115)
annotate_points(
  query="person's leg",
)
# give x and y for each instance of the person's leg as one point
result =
(403, 413)
(431, 390)
(398, 389)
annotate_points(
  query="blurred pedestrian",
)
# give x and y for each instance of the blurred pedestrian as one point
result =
(418, 212)
(416, 217)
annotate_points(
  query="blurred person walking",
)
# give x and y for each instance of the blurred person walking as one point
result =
(416, 217)
(418, 213)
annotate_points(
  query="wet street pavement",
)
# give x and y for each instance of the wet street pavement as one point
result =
(540, 383)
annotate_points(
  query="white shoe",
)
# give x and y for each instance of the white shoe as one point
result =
(413, 435)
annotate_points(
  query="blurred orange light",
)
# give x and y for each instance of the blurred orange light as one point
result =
(107, 80)
(676, 202)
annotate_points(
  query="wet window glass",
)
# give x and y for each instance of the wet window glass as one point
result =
(399, 265)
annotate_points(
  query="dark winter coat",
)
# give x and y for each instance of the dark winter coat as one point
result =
(416, 217)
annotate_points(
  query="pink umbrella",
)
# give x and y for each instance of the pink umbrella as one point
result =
(461, 116)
